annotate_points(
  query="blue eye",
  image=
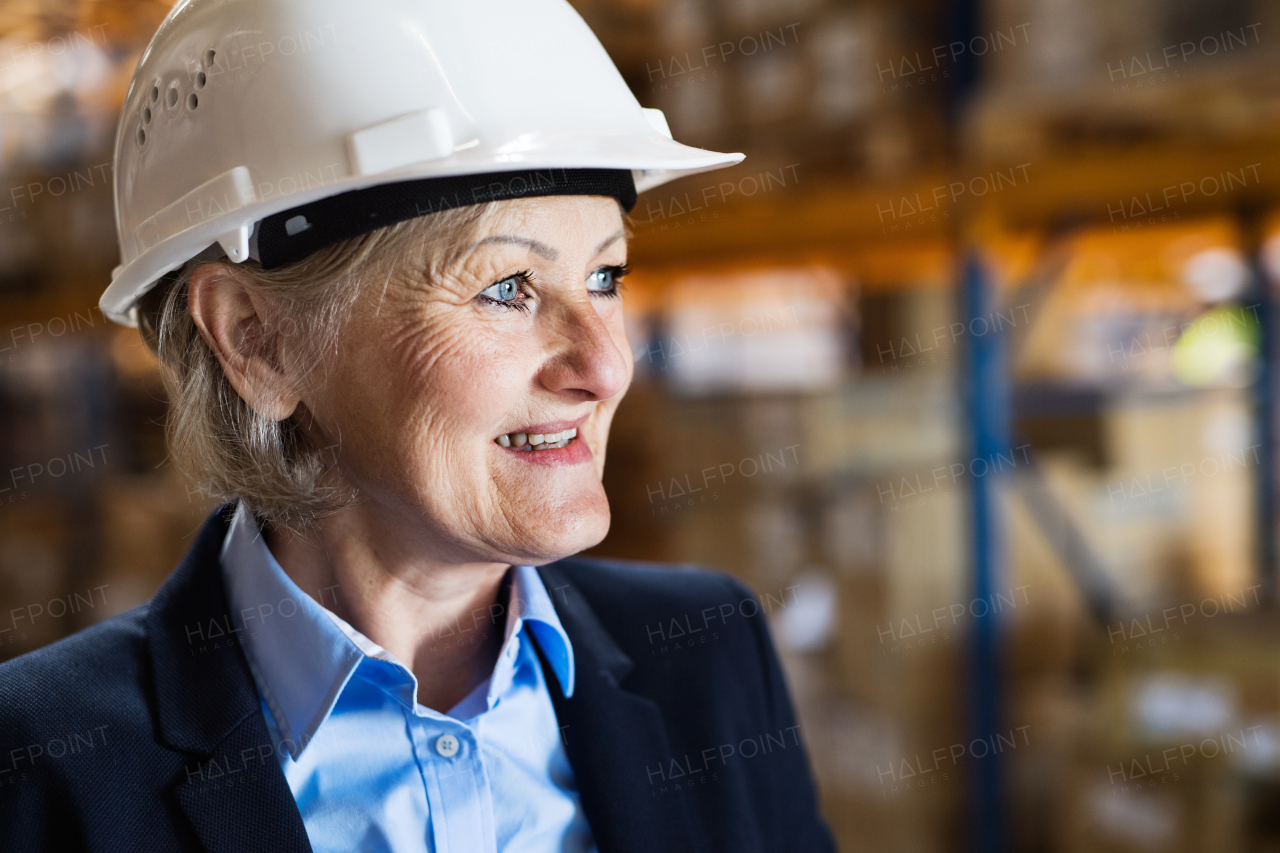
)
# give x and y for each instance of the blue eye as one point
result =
(506, 290)
(503, 291)
(605, 280)
(600, 280)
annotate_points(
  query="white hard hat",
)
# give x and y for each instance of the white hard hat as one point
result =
(242, 112)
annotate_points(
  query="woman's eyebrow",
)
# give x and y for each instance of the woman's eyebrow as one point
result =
(534, 246)
(610, 241)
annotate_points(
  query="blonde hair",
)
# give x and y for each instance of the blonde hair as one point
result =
(218, 441)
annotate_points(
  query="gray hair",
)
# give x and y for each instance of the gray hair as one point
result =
(217, 440)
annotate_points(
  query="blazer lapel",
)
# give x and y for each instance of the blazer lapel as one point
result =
(237, 799)
(233, 792)
(612, 737)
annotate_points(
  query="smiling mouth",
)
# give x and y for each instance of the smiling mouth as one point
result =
(535, 442)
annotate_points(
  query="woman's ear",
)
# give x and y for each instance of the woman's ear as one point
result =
(235, 324)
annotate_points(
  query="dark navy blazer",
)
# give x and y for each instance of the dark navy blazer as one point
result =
(145, 732)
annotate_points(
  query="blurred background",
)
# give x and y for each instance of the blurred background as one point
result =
(968, 370)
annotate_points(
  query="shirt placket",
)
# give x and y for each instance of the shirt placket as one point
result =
(456, 783)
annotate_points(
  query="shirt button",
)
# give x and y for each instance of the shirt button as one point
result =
(447, 745)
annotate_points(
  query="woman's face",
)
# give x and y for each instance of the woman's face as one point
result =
(438, 381)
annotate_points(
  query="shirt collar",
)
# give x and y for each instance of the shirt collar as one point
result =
(301, 654)
(532, 608)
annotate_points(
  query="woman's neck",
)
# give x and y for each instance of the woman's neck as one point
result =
(444, 622)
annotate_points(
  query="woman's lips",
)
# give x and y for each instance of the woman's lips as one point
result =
(574, 452)
(555, 443)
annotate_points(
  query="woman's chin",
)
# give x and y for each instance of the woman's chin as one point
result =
(564, 532)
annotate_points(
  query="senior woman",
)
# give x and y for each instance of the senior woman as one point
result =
(378, 250)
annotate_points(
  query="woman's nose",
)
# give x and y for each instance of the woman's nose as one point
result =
(583, 357)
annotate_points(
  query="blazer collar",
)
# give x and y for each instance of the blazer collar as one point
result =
(233, 791)
(202, 682)
(612, 735)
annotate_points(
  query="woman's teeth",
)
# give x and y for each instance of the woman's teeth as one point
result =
(537, 441)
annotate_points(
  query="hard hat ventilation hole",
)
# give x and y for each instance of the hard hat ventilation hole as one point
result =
(192, 101)
(296, 225)
(142, 137)
(172, 97)
(209, 56)
(200, 80)
(155, 94)
(146, 115)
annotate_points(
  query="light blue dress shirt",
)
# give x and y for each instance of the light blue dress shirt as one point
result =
(376, 772)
